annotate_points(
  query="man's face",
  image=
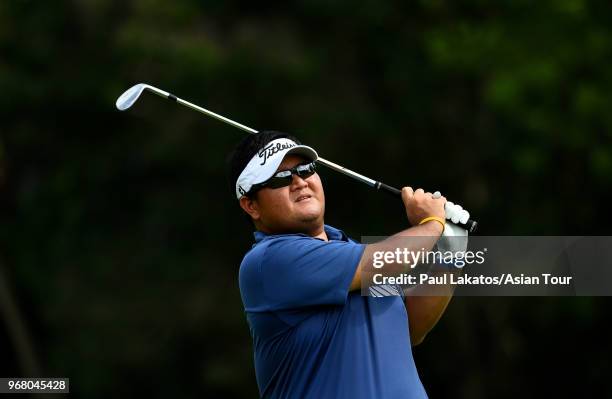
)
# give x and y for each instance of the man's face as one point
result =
(298, 207)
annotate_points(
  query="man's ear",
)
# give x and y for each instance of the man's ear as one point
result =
(250, 206)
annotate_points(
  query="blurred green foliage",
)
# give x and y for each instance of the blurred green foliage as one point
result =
(122, 242)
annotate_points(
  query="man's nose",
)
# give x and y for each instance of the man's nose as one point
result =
(298, 182)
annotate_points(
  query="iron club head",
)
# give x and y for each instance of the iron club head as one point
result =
(131, 95)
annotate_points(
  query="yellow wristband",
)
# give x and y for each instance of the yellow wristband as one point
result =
(437, 219)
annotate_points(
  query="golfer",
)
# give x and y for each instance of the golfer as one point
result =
(314, 334)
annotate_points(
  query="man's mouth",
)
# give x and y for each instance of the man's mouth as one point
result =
(303, 197)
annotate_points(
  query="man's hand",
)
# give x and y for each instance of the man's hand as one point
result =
(420, 205)
(454, 238)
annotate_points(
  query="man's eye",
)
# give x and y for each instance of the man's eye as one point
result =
(284, 173)
(304, 168)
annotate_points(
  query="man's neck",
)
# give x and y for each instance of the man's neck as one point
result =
(319, 232)
(322, 235)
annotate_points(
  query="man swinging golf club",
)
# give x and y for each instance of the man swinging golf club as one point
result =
(314, 334)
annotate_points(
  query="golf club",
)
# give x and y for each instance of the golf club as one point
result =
(131, 95)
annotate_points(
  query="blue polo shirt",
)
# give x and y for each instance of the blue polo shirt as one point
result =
(313, 338)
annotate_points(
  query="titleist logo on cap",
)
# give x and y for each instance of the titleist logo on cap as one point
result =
(272, 149)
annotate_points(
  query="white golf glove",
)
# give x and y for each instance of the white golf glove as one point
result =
(454, 238)
(455, 213)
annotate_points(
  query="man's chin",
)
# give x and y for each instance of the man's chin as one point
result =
(312, 210)
(311, 221)
(308, 219)
(311, 215)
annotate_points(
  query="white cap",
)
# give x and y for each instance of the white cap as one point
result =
(264, 164)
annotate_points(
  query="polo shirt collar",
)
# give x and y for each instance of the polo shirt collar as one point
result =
(332, 233)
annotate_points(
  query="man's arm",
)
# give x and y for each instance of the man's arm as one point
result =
(423, 236)
(419, 205)
(425, 305)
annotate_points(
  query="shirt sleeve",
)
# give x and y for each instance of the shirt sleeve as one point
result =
(304, 271)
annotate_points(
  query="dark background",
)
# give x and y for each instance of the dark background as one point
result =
(120, 242)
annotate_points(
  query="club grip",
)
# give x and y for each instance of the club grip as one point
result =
(470, 225)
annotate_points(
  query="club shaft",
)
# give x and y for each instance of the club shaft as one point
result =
(216, 116)
(470, 225)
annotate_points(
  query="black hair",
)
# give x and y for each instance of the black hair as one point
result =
(246, 149)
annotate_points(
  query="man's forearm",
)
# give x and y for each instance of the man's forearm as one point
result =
(425, 304)
(414, 239)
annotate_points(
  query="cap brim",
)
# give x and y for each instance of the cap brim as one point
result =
(303, 150)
